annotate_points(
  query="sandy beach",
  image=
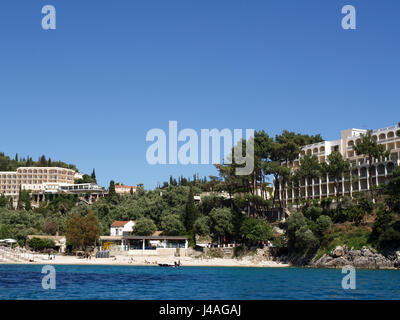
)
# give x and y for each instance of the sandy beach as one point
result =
(149, 261)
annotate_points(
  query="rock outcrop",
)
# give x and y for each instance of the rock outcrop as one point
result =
(364, 258)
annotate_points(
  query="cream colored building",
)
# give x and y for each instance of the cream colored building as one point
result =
(34, 179)
(122, 189)
(324, 187)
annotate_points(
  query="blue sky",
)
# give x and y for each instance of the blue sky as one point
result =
(88, 92)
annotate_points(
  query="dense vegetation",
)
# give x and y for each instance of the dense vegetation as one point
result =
(8, 164)
(313, 227)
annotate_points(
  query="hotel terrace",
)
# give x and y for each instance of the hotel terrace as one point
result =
(324, 187)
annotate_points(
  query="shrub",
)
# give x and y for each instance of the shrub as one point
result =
(323, 224)
(39, 244)
(313, 213)
(215, 253)
(300, 238)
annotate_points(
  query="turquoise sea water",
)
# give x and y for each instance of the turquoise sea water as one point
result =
(153, 282)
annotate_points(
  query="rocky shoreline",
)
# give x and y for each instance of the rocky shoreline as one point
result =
(343, 256)
(364, 259)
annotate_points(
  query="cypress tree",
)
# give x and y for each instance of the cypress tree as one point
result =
(42, 161)
(190, 211)
(20, 204)
(93, 176)
(112, 195)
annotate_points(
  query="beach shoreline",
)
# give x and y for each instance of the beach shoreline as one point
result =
(151, 261)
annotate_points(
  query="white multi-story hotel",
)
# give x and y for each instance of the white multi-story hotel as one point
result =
(34, 179)
(324, 187)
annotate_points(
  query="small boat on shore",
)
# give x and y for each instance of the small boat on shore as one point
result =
(175, 265)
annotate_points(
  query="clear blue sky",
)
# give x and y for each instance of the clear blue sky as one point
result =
(87, 92)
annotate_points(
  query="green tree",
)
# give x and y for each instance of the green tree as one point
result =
(300, 238)
(111, 189)
(313, 212)
(112, 194)
(42, 161)
(24, 200)
(221, 222)
(255, 230)
(370, 148)
(337, 168)
(93, 176)
(309, 169)
(323, 224)
(392, 191)
(3, 201)
(74, 231)
(39, 244)
(386, 230)
(305, 240)
(172, 226)
(190, 211)
(82, 232)
(144, 227)
(90, 229)
(202, 226)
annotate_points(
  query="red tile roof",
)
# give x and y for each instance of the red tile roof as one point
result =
(119, 223)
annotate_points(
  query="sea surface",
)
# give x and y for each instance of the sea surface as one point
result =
(153, 282)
